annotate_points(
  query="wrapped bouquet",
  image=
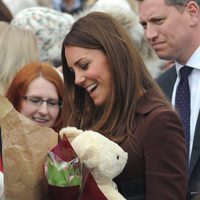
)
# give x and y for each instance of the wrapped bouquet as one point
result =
(68, 178)
(63, 172)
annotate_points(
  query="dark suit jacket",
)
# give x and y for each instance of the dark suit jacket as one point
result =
(156, 163)
(166, 82)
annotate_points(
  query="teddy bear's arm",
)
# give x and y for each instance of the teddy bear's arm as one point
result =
(70, 133)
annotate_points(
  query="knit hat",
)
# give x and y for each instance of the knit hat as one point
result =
(49, 26)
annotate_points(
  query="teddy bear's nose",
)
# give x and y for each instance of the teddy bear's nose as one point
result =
(117, 157)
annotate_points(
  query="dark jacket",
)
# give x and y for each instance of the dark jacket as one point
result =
(166, 82)
(156, 167)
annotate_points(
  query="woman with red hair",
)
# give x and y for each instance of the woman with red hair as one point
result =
(37, 91)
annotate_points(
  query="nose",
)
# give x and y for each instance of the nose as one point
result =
(79, 78)
(150, 32)
(43, 109)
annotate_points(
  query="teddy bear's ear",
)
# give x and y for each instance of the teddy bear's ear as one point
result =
(90, 157)
(70, 133)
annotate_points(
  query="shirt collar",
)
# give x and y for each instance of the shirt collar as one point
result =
(194, 61)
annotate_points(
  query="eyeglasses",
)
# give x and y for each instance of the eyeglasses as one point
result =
(37, 101)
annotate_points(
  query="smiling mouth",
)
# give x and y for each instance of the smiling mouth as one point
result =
(40, 120)
(91, 88)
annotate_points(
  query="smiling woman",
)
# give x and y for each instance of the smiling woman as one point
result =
(36, 91)
(108, 89)
(89, 67)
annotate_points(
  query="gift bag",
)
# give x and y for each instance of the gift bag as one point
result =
(91, 190)
(67, 178)
(25, 146)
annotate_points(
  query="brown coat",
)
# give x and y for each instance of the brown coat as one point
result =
(156, 155)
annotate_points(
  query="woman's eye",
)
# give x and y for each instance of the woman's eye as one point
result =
(35, 100)
(53, 103)
(84, 66)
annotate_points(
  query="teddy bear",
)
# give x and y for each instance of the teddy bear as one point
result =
(104, 158)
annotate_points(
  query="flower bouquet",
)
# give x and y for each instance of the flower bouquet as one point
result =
(68, 178)
(63, 172)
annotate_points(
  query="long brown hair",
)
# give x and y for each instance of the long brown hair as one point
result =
(130, 77)
(25, 76)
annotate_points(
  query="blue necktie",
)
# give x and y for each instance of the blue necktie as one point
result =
(182, 102)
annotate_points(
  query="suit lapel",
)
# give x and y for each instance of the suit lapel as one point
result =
(166, 82)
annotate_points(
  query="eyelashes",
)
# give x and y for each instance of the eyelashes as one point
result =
(83, 66)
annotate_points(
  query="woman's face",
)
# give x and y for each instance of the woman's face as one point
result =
(91, 70)
(44, 112)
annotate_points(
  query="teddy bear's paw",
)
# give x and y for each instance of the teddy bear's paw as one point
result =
(111, 192)
(70, 132)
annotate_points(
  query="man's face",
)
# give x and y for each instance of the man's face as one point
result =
(166, 28)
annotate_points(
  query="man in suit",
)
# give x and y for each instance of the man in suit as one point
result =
(172, 28)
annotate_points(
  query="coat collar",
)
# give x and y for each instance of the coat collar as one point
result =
(147, 103)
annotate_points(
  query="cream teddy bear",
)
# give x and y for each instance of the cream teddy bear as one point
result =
(104, 158)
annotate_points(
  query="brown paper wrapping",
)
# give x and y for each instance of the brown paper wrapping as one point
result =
(25, 146)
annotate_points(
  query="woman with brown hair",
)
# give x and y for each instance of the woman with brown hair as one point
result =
(109, 89)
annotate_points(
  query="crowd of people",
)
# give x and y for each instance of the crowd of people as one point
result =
(122, 74)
